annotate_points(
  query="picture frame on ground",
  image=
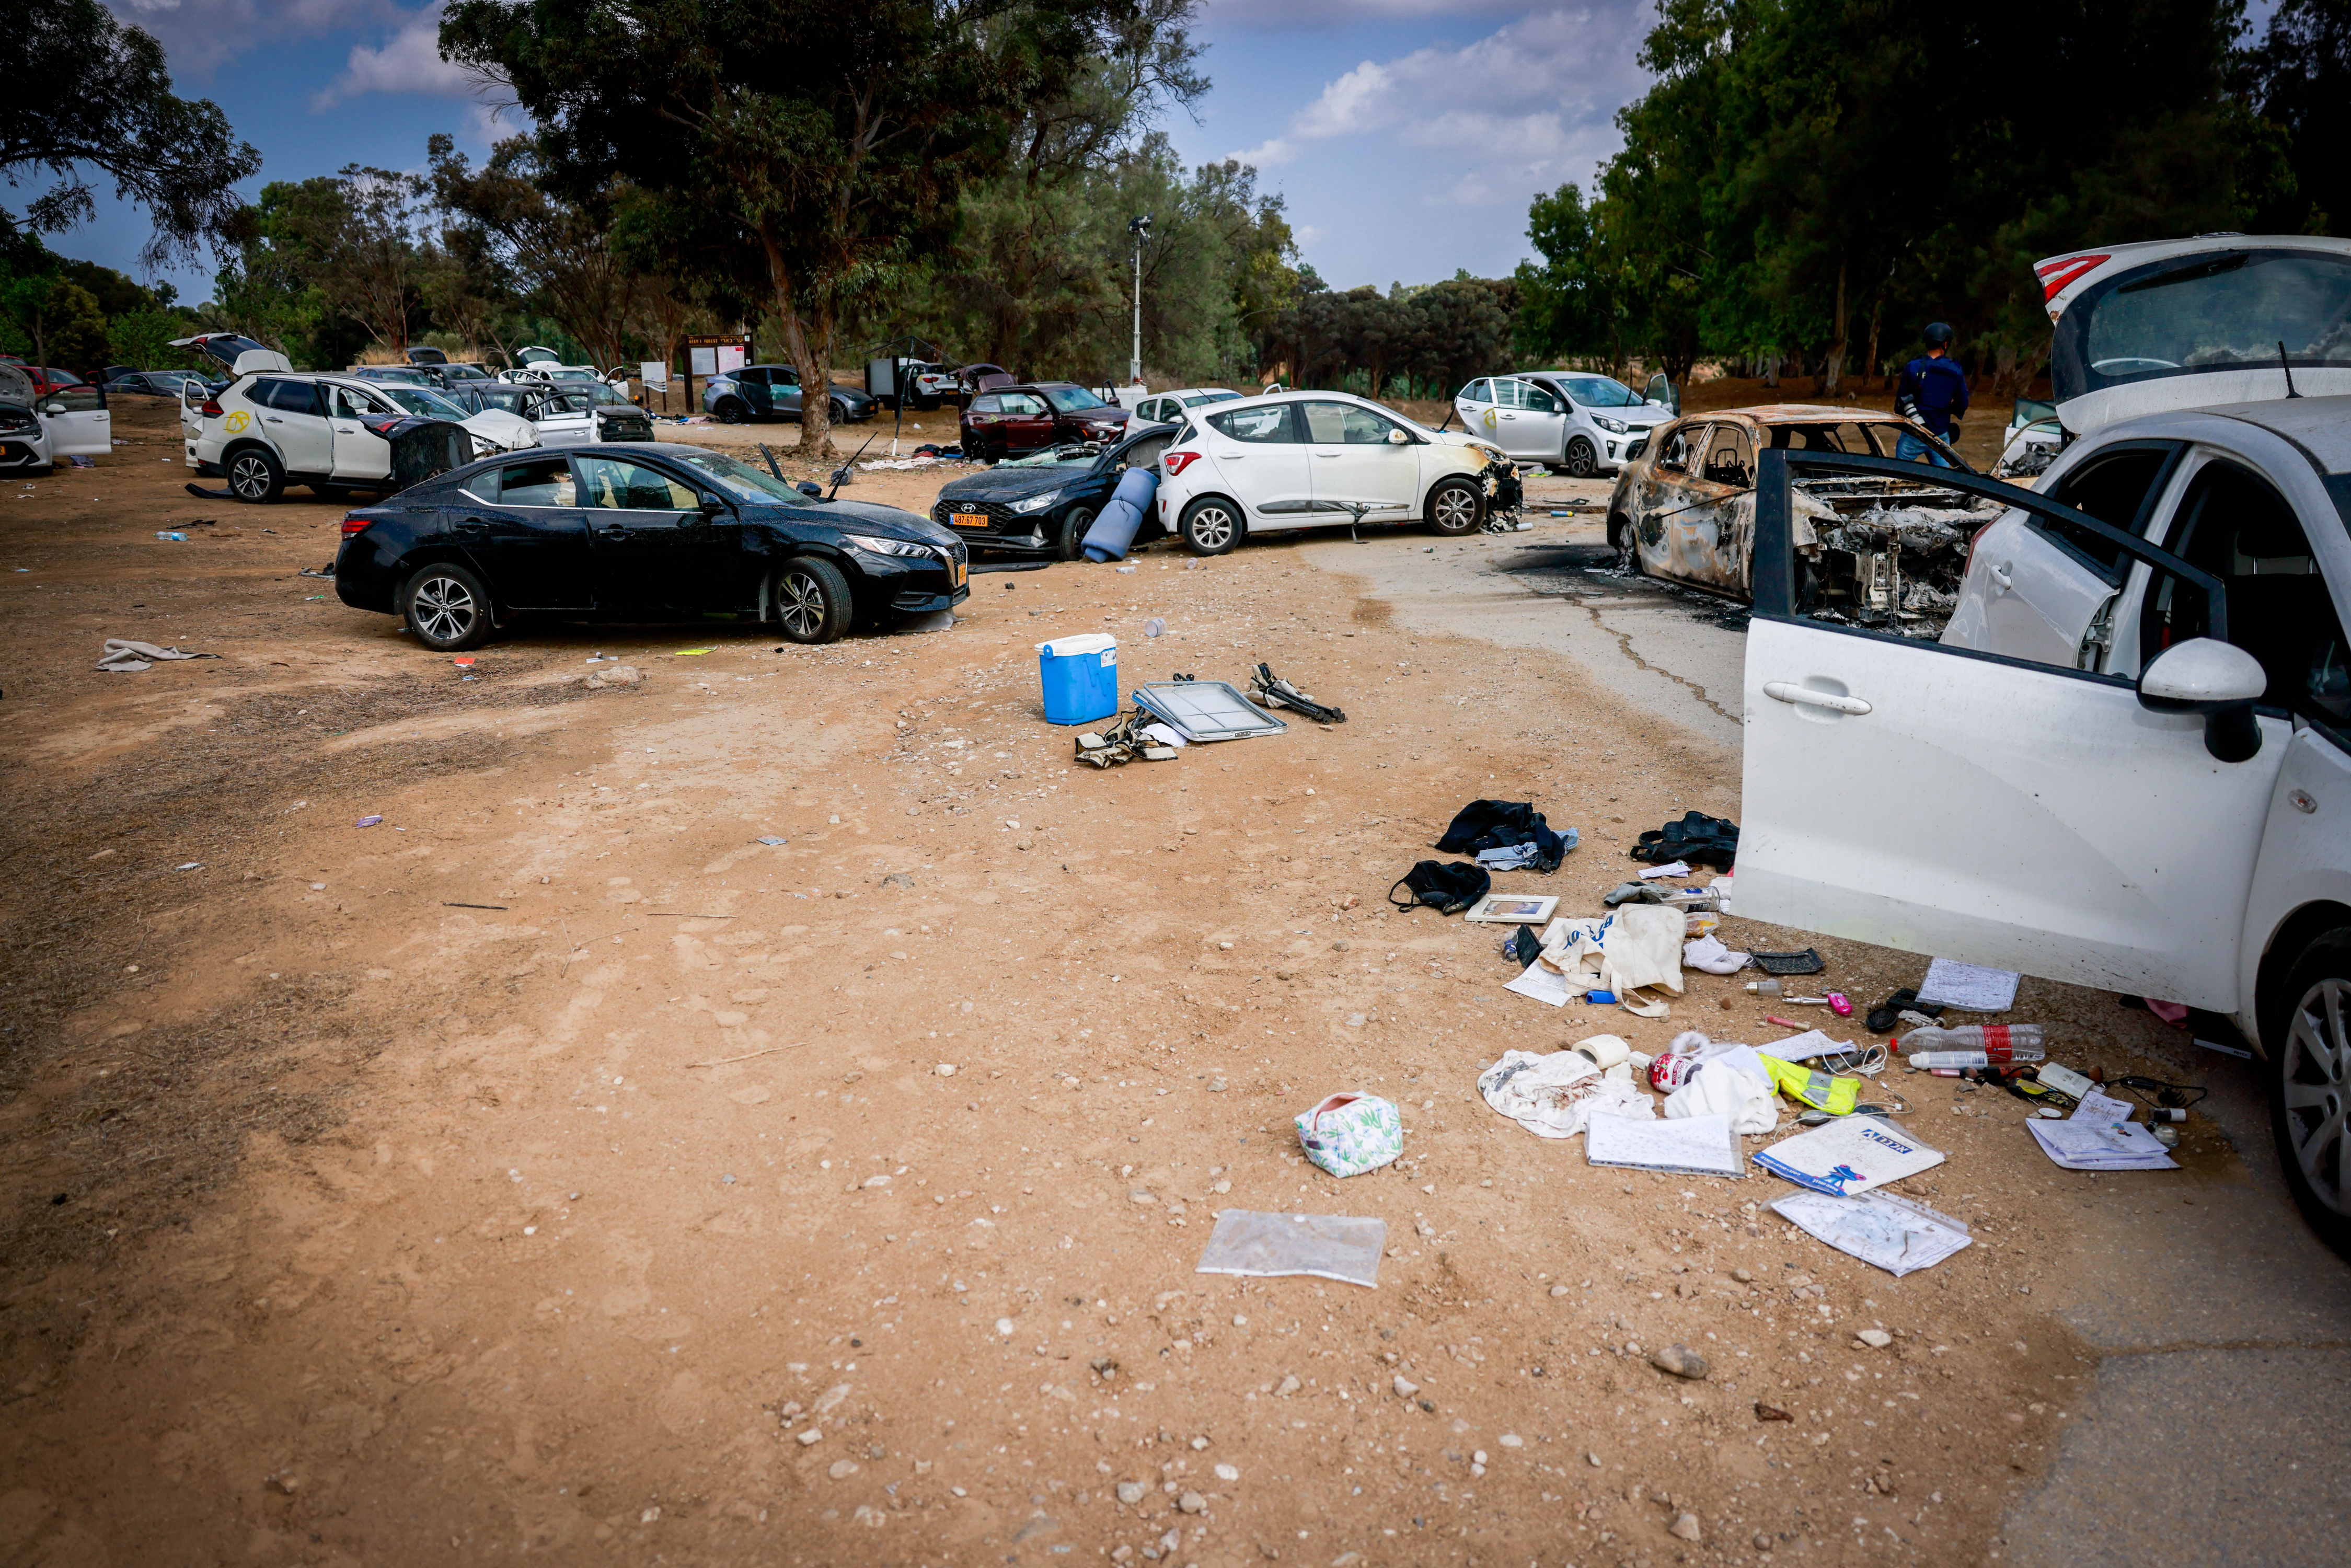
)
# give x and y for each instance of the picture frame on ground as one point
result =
(1513, 908)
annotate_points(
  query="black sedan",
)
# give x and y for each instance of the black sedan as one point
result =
(1044, 504)
(621, 533)
(773, 392)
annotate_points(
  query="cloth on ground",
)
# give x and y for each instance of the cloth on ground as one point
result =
(1484, 825)
(1708, 953)
(1697, 838)
(1734, 1084)
(125, 657)
(1649, 893)
(1553, 1096)
(1449, 887)
(1510, 857)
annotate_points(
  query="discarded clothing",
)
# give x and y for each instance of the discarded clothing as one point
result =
(1697, 838)
(1554, 1096)
(1730, 1083)
(125, 657)
(1125, 741)
(1499, 824)
(1348, 1135)
(1691, 898)
(1708, 953)
(1510, 857)
(1447, 887)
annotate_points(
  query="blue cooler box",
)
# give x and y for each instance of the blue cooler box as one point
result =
(1080, 676)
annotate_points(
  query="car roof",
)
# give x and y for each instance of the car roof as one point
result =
(2320, 426)
(1797, 413)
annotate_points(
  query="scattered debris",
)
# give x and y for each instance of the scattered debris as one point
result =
(1327, 1246)
(124, 657)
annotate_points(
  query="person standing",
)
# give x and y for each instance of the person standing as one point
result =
(1934, 391)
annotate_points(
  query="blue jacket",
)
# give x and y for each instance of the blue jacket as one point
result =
(1940, 388)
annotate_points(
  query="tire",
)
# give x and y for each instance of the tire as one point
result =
(812, 600)
(840, 412)
(1211, 525)
(1620, 540)
(1455, 507)
(1581, 461)
(2309, 1087)
(255, 475)
(447, 608)
(1069, 544)
(733, 411)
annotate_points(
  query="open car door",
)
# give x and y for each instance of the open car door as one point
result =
(2032, 816)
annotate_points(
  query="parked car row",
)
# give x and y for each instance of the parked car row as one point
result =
(774, 392)
(38, 427)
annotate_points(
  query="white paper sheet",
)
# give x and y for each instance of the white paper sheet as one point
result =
(1545, 985)
(2098, 1108)
(1804, 1047)
(2077, 1146)
(1676, 868)
(1881, 1230)
(1850, 1156)
(1970, 988)
(1692, 1145)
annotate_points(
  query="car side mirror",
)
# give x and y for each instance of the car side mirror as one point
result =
(1398, 438)
(710, 504)
(53, 408)
(2217, 679)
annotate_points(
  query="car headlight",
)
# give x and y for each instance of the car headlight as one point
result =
(1490, 453)
(1037, 503)
(1612, 426)
(872, 546)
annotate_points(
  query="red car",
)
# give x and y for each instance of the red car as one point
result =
(46, 378)
(1039, 414)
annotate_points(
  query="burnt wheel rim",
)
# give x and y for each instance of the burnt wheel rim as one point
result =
(1455, 509)
(1580, 461)
(445, 609)
(1212, 528)
(2316, 1077)
(249, 476)
(799, 604)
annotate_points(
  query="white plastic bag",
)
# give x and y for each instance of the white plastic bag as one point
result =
(1553, 1095)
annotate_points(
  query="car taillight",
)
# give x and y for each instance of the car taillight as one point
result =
(355, 524)
(212, 408)
(1178, 461)
(381, 423)
(1975, 538)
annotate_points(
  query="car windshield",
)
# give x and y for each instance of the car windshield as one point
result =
(2208, 313)
(510, 399)
(1076, 454)
(1069, 399)
(417, 400)
(606, 395)
(1200, 397)
(1600, 392)
(740, 479)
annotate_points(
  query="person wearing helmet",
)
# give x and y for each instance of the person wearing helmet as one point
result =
(1934, 391)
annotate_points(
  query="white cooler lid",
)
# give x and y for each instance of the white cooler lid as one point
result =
(1081, 643)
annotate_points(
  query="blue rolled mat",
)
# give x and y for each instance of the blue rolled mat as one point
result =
(1115, 528)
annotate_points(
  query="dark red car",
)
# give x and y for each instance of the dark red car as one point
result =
(46, 378)
(1041, 414)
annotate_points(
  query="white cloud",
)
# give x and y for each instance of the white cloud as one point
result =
(201, 35)
(1293, 13)
(409, 61)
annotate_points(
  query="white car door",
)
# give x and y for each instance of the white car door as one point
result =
(2039, 589)
(78, 423)
(564, 419)
(2030, 816)
(1355, 465)
(293, 419)
(1541, 435)
(359, 452)
(1473, 406)
(1260, 457)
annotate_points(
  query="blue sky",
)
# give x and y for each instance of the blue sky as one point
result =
(1406, 135)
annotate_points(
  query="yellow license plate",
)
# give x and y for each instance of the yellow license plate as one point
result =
(969, 520)
(963, 574)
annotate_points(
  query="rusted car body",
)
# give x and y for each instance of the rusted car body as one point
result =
(1880, 552)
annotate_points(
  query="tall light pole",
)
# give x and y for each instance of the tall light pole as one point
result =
(1140, 227)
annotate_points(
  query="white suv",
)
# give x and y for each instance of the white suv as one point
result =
(1296, 460)
(1579, 423)
(2127, 764)
(273, 426)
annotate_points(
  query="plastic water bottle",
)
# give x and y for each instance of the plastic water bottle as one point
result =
(1972, 1045)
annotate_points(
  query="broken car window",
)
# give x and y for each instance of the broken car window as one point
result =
(2208, 312)
(541, 482)
(2117, 488)
(607, 482)
(1601, 391)
(1267, 424)
(1730, 456)
(1683, 445)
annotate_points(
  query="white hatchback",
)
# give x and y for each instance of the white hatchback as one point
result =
(1579, 423)
(273, 426)
(1297, 460)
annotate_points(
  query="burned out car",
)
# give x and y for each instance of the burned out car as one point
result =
(1882, 552)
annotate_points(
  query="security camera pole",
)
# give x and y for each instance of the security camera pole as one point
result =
(1140, 229)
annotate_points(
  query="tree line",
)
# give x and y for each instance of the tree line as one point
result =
(1809, 182)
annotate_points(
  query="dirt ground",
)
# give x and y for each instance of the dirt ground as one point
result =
(555, 1168)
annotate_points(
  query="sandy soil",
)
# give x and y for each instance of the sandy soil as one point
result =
(555, 1168)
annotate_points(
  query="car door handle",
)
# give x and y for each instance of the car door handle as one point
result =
(472, 527)
(1805, 696)
(274, 419)
(614, 531)
(1330, 454)
(2000, 574)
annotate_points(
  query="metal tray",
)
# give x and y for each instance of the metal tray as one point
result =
(1207, 710)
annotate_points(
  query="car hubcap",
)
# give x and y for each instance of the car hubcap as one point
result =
(1213, 528)
(2317, 1076)
(445, 609)
(799, 603)
(1455, 509)
(1579, 458)
(250, 478)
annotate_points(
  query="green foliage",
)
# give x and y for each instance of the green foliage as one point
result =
(2298, 80)
(143, 338)
(89, 94)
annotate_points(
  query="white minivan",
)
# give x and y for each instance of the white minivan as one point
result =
(2127, 763)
